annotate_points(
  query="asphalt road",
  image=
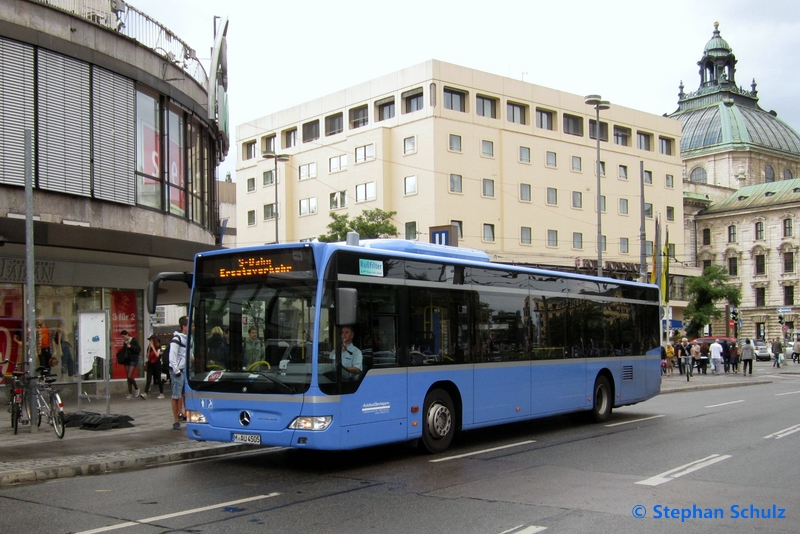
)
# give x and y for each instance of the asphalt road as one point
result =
(728, 453)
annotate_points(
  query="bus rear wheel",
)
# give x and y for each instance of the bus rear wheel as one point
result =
(438, 425)
(602, 400)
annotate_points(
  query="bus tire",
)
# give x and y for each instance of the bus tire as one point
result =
(438, 424)
(602, 400)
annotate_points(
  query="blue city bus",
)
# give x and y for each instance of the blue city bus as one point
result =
(449, 340)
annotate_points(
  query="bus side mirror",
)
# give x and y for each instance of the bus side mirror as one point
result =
(346, 303)
(152, 287)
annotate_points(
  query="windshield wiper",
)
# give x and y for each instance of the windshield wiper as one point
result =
(286, 388)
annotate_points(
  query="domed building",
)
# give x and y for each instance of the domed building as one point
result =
(740, 193)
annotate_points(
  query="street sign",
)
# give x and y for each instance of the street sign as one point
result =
(732, 323)
(784, 310)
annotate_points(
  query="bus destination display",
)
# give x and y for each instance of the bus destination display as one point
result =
(254, 265)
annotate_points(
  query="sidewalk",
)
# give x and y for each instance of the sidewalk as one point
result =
(28, 457)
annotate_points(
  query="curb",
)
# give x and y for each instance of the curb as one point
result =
(680, 389)
(96, 465)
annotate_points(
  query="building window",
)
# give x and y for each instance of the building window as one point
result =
(648, 210)
(268, 144)
(455, 183)
(249, 150)
(698, 176)
(622, 136)
(459, 228)
(769, 174)
(733, 266)
(524, 154)
(525, 192)
(334, 124)
(311, 131)
(759, 230)
(269, 211)
(251, 185)
(671, 251)
(669, 183)
(623, 206)
(552, 238)
(577, 199)
(359, 117)
(603, 130)
(385, 109)
(455, 143)
(365, 153)
(787, 174)
(787, 228)
(251, 218)
(488, 187)
(487, 148)
(602, 203)
(732, 233)
(409, 145)
(706, 236)
(550, 159)
(577, 240)
(648, 248)
(268, 178)
(309, 170)
(602, 243)
(517, 113)
(573, 125)
(525, 235)
(552, 196)
(643, 141)
(411, 231)
(544, 119)
(412, 100)
(788, 262)
(665, 145)
(623, 172)
(761, 264)
(788, 295)
(648, 177)
(761, 297)
(337, 163)
(576, 163)
(338, 199)
(410, 185)
(602, 169)
(455, 100)
(670, 213)
(486, 107)
(488, 232)
(624, 247)
(289, 138)
(365, 192)
(308, 206)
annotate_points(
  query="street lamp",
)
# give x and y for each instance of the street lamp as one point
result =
(276, 158)
(598, 103)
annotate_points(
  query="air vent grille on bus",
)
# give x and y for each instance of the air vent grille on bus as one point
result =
(627, 372)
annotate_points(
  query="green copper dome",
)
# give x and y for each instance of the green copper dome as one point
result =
(717, 46)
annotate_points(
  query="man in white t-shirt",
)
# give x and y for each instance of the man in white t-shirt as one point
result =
(716, 356)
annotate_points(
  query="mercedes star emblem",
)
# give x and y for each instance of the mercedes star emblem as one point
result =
(244, 418)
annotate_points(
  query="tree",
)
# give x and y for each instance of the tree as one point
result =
(705, 291)
(371, 224)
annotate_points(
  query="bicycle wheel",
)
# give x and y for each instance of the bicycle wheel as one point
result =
(56, 415)
(16, 412)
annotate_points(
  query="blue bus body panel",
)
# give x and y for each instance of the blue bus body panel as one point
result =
(502, 391)
(378, 411)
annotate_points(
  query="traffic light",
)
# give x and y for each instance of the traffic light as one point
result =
(735, 315)
(780, 319)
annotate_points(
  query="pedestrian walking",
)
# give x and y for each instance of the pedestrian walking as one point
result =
(777, 352)
(726, 356)
(670, 359)
(716, 356)
(796, 350)
(153, 365)
(747, 357)
(682, 352)
(130, 359)
(734, 351)
(704, 352)
(177, 363)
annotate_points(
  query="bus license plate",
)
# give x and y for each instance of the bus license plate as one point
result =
(253, 439)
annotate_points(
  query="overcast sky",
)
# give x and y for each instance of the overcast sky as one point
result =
(633, 53)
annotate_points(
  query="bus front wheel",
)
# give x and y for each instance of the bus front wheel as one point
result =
(438, 426)
(602, 400)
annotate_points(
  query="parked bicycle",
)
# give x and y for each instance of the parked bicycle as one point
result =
(15, 397)
(48, 401)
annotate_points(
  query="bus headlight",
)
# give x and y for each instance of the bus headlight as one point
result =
(193, 416)
(311, 423)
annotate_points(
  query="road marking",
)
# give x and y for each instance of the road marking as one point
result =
(635, 420)
(724, 404)
(482, 451)
(785, 432)
(788, 393)
(177, 514)
(528, 530)
(683, 470)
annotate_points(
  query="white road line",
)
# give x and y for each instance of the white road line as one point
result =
(635, 420)
(683, 470)
(177, 514)
(787, 393)
(482, 451)
(527, 530)
(785, 432)
(724, 404)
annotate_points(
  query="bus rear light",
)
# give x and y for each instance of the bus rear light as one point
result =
(193, 416)
(415, 409)
(311, 423)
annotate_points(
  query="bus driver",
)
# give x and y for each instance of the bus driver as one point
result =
(352, 359)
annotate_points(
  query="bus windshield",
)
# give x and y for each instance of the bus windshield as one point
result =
(252, 335)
